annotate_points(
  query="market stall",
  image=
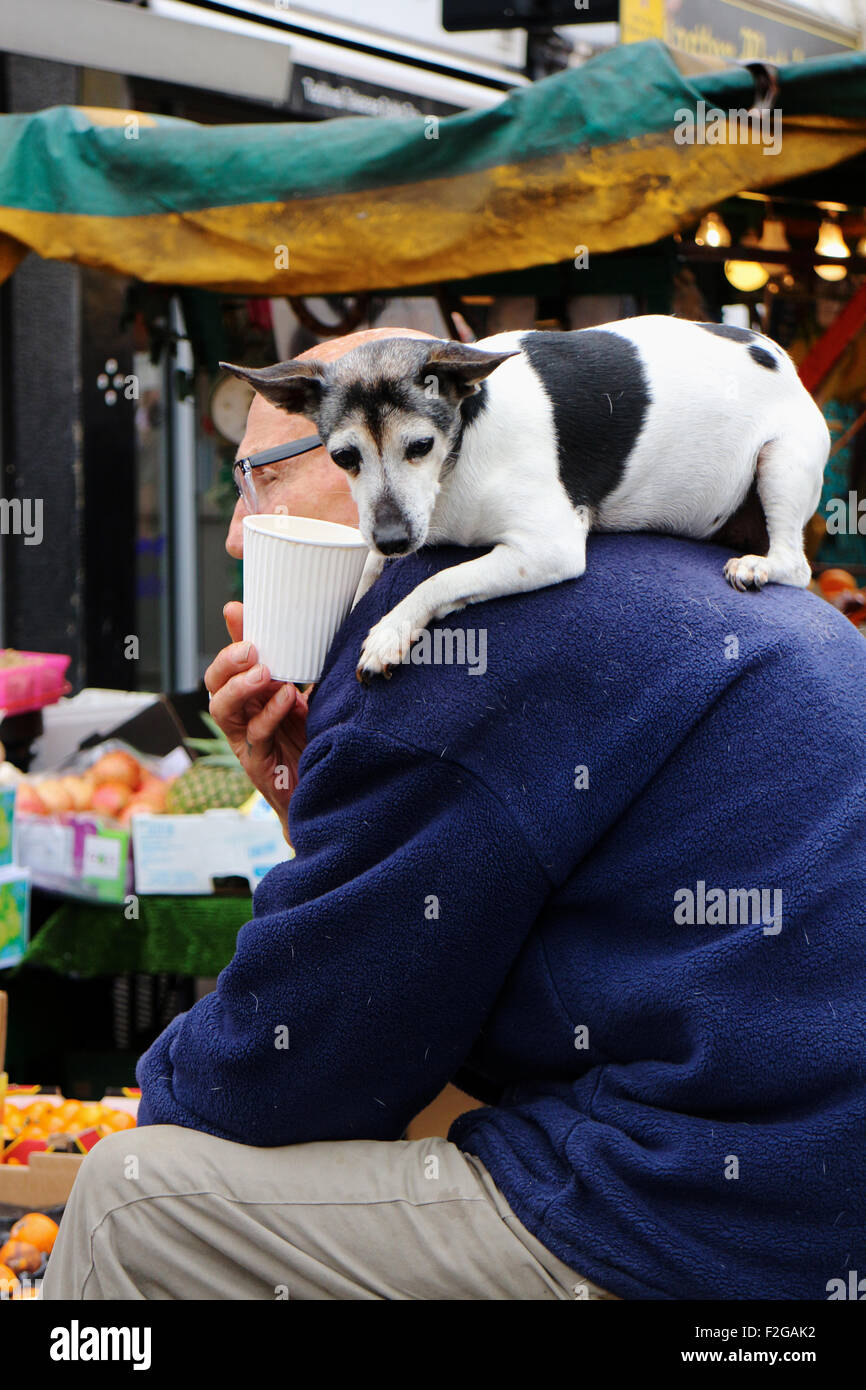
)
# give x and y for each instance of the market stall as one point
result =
(593, 155)
(576, 186)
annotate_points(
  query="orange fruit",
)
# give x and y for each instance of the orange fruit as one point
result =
(118, 1120)
(88, 1115)
(8, 1280)
(66, 1111)
(36, 1229)
(37, 1109)
(835, 582)
(34, 1132)
(20, 1257)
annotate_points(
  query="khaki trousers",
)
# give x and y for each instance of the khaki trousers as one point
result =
(170, 1213)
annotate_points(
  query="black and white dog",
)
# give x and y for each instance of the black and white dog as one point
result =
(526, 441)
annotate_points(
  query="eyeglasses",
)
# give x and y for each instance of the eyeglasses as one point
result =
(256, 498)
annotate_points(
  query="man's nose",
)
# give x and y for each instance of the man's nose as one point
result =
(235, 537)
(390, 531)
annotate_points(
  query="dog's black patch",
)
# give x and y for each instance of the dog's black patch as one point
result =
(470, 409)
(597, 386)
(764, 358)
(728, 330)
(472, 406)
(375, 400)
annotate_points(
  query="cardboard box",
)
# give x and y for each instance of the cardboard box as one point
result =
(76, 852)
(46, 1181)
(14, 914)
(186, 854)
(7, 822)
(87, 854)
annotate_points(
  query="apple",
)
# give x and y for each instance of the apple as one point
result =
(28, 802)
(80, 789)
(110, 798)
(140, 802)
(118, 767)
(55, 795)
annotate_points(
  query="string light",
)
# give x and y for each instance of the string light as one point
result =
(831, 243)
(773, 238)
(712, 231)
(747, 276)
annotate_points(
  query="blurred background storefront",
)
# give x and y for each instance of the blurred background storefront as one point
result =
(142, 429)
(157, 464)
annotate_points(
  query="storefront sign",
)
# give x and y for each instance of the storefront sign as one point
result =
(740, 31)
(319, 93)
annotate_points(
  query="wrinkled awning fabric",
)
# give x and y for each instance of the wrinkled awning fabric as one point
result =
(588, 157)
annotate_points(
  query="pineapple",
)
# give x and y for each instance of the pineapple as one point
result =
(216, 779)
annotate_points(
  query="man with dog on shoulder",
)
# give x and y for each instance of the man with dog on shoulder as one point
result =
(550, 884)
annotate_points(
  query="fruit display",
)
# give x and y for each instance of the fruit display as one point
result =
(117, 785)
(24, 1252)
(57, 1125)
(216, 778)
(840, 588)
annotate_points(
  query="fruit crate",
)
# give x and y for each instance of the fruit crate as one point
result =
(190, 854)
(38, 679)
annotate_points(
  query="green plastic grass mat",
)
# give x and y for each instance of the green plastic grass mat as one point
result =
(179, 935)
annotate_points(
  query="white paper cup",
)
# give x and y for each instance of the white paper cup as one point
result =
(300, 576)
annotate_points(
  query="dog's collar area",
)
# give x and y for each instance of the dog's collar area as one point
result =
(470, 409)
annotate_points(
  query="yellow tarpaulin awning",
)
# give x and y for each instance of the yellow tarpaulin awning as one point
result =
(615, 154)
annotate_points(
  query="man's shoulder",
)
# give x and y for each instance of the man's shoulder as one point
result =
(650, 612)
(601, 678)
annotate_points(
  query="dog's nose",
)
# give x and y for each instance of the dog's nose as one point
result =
(392, 539)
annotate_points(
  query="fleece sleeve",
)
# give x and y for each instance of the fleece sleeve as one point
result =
(371, 962)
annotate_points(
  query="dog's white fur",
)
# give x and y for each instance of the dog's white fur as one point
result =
(714, 422)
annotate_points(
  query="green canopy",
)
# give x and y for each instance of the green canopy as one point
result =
(614, 154)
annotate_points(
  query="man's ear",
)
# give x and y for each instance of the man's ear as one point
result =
(295, 387)
(462, 366)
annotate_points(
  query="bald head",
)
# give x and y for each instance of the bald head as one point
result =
(314, 485)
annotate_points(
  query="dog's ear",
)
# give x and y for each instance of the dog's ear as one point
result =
(462, 366)
(295, 387)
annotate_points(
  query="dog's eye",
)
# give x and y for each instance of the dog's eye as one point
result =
(418, 448)
(348, 458)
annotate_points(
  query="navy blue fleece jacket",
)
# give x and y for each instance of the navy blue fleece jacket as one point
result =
(494, 878)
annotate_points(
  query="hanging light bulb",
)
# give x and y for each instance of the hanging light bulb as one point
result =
(773, 238)
(747, 276)
(860, 249)
(712, 231)
(831, 243)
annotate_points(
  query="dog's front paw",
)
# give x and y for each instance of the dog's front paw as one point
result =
(748, 572)
(385, 646)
